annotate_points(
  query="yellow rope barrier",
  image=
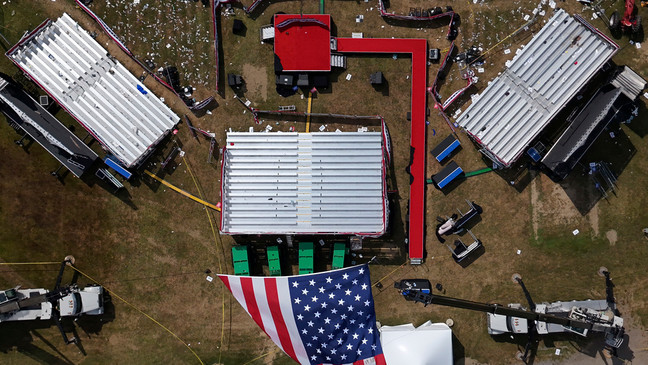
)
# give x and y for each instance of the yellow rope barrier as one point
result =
(259, 357)
(220, 267)
(114, 295)
(142, 312)
(384, 277)
(183, 192)
(310, 103)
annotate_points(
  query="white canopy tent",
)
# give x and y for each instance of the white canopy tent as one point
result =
(427, 344)
(99, 92)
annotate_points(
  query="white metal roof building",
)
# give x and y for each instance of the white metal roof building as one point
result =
(429, 343)
(99, 92)
(304, 183)
(541, 79)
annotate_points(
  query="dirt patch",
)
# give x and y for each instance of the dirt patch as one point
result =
(256, 80)
(534, 204)
(551, 205)
(593, 218)
(611, 235)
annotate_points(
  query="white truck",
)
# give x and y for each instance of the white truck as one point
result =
(591, 311)
(38, 304)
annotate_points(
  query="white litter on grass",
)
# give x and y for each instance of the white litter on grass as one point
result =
(552, 4)
(527, 17)
(638, 45)
(135, 2)
(507, 51)
(209, 278)
(519, 252)
(508, 63)
(557, 352)
(268, 128)
(168, 45)
(480, 70)
(348, 77)
(322, 128)
(646, 95)
(575, 232)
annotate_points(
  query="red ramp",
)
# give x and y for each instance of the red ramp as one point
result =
(418, 49)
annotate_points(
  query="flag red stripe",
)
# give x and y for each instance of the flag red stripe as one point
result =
(250, 301)
(275, 309)
(225, 280)
(378, 360)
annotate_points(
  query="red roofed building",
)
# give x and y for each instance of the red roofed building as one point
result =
(303, 42)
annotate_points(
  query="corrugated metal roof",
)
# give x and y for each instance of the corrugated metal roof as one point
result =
(302, 183)
(96, 89)
(541, 79)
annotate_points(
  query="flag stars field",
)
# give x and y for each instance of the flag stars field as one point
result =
(329, 329)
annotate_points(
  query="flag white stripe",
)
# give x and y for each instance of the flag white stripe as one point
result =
(235, 286)
(283, 290)
(258, 284)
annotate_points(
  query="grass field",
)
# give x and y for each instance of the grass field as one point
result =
(152, 246)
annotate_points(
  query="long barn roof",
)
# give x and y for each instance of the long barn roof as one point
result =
(542, 78)
(94, 88)
(304, 183)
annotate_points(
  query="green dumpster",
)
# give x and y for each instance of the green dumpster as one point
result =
(339, 254)
(306, 258)
(240, 259)
(273, 261)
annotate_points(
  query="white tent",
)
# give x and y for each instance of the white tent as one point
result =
(428, 344)
(98, 91)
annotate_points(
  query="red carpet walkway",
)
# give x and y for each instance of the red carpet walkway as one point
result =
(418, 49)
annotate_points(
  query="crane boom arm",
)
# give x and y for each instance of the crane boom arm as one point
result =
(428, 298)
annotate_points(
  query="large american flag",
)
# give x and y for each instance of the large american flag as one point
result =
(323, 318)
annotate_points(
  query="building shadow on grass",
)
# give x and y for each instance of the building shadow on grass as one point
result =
(592, 346)
(458, 351)
(20, 337)
(616, 152)
(639, 125)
